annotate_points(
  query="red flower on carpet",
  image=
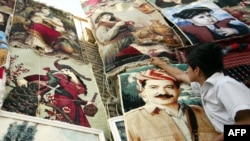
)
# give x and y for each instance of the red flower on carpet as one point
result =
(66, 109)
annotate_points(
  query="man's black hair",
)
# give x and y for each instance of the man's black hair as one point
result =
(207, 56)
(105, 13)
(191, 12)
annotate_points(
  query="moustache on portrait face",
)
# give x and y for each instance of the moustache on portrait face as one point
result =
(164, 95)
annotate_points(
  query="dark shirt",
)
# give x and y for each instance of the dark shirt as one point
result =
(199, 34)
(224, 3)
(163, 4)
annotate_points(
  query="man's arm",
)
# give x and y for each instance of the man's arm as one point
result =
(175, 72)
(242, 118)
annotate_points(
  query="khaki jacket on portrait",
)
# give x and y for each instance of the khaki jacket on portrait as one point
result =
(158, 126)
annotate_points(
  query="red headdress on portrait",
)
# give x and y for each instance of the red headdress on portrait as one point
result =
(153, 74)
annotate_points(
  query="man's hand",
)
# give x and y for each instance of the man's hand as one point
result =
(156, 61)
(227, 31)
